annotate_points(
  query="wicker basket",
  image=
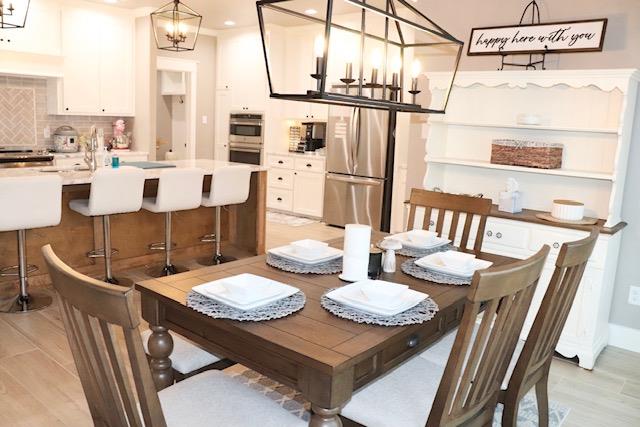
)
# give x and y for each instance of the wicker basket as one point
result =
(526, 153)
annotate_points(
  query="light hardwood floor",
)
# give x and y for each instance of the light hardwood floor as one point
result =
(39, 385)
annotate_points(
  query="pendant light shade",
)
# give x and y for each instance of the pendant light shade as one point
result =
(380, 54)
(13, 13)
(176, 27)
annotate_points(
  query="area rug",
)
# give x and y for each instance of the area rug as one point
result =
(291, 220)
(295, 403)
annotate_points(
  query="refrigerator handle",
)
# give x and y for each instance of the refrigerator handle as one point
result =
(355, 131)
(352, 180)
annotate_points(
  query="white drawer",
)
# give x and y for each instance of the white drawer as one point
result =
(504, 233)
(281, 178)
(280, 199)
(310, 165)
(284, 162)
(554, 238)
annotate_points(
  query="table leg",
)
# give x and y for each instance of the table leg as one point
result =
(321, 417)
(160, 347)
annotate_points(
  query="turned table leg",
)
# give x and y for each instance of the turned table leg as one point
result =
(160, 346)
(321, 417)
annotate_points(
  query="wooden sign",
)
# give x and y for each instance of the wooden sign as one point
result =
(553, 37)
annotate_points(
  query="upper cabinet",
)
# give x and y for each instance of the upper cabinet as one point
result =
(41, 34)
(241, 70)
(98, 71)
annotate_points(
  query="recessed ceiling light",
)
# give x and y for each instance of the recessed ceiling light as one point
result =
(310, 11)
(229, 23)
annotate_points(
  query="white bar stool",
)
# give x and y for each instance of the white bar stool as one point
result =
(229, 186)
(178, 190)
(113, 191)
(28, 202)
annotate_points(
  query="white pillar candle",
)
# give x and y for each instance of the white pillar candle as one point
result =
(355, 260)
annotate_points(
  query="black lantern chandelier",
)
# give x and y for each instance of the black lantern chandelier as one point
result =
(361, 51)
(13, 13)
(176, 27)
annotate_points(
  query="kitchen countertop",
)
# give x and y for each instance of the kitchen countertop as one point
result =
(73, 177)
(80, 154)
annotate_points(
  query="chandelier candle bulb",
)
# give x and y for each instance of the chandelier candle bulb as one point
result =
(349, 71)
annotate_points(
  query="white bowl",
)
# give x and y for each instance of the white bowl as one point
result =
(567, 210)
(421, 237)
(380, 292)
(309, 248)
(457, 260)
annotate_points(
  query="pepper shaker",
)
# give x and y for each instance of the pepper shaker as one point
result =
(389, 257)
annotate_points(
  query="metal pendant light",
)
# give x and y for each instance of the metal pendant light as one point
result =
(176, 27)
(13, 13)
(377, 54)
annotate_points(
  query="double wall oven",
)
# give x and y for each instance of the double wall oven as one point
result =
(246, 137)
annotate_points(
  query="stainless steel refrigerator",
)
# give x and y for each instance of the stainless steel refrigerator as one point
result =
(356, 166)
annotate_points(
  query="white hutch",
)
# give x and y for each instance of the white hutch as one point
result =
(590, 112)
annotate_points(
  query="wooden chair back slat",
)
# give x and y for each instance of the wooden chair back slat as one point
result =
(93, 312)
(470, 386)
(472, 207)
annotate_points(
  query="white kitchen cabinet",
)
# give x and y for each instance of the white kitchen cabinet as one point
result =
(241, 69)
(296, 184)
(98, 74)
(223, 107)
(307, 188)
(41, 34)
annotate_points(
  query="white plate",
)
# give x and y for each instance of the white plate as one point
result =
(404, 239)
(289, 253)
(216, 290)
(433, 262)
(352, 296)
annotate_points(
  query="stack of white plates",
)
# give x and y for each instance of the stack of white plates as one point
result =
(453, 263)
(309, 252)
(377, 297)
(245, 291)
(420, 239)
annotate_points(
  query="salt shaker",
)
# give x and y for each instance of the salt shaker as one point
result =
(389, 257)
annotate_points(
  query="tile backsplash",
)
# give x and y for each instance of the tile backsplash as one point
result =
(24, 117)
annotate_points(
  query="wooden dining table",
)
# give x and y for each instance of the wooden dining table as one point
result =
(324, 357)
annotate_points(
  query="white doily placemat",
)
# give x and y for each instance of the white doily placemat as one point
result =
(422, 312)
(330, 267)
(419, 253)
(278, 309)
(409, 267)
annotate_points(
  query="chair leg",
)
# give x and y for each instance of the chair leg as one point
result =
(510, 414)
(106, 235)
(542, 398)
(168, 268)
(27, 301)
(218, 258)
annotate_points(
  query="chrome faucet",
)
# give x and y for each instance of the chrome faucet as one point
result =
(91, 149)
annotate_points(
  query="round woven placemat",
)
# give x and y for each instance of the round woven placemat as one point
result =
(409, 267)
(419, 253)
(423, 311)
(217, 310)
(330, 267)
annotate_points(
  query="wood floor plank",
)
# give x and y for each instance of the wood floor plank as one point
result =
(12, 342)
(19, 408)
(631, 389)
(44, 334)
(58, 390)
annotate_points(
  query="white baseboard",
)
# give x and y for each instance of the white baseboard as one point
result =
(624, 337)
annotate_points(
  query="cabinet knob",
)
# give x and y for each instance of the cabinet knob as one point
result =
(556, 245)
(489, 233)
(279, 199)
(279, 178)
(309, 165)
(66, 109)
(280, 162)
(499, 235)
(103, 110)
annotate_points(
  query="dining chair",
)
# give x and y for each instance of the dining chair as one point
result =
(533, 364)
(93, 313)
(456, 205)
(465, 391)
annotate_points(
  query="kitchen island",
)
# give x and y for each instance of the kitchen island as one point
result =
(243, 226)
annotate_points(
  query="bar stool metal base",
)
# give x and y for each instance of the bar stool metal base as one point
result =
(36, 300)
(120, 281)
(165, 270)
(218, 258)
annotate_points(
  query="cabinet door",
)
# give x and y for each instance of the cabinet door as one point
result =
(246, 71)
(223, 107)
(81, 70)
(308, 193)
(116, 65)
(43, 18)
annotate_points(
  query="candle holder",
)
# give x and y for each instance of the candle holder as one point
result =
(394, 92)
(414, 90)
(347, 81)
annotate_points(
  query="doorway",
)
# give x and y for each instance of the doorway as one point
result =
(176, 109)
